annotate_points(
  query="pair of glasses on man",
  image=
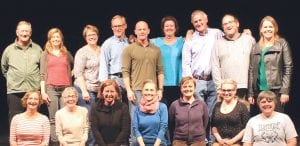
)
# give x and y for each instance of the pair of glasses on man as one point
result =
(227, 90)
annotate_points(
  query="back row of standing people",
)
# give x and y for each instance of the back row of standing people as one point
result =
(208, 56)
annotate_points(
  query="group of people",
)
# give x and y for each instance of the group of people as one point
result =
(170, 90)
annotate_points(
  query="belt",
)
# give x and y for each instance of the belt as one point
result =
(58, 87)
(205, 78)
(118, 74)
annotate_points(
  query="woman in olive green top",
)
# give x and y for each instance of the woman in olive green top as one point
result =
(270, 65)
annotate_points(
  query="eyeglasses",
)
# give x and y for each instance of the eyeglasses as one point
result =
(227, 90)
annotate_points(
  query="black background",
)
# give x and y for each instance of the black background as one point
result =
(71, 16)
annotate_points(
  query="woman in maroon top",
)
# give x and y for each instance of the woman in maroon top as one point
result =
(56, 63)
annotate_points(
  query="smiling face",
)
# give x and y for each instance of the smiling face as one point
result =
(23, 33)
(118, 26)
(56, 40)
(169, 28)
(109, 94)
(230, 26)
(91, 37)
(199, 21)
(267, 30)
(33, 101)
(228, 92)
(70, 98)
(267, 106)
(149, 91)
(188, 89)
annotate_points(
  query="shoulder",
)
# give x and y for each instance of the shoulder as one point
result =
(215, 30)
(107, 42)
(43, 117)
(36, 46)
(174, 103)
(162, 106)
(9, 48)
(82, 109)
(17, 117)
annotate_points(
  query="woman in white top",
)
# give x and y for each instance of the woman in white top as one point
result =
(71, 121)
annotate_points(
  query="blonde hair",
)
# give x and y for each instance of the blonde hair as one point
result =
(67, 90)
(91, 28)
(261, 41)
(229, 81)
(49, 47)
(28, 93)
(149, 81)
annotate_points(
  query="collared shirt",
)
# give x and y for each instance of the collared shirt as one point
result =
(140, 63)
(21, 67)
(111, 56)
(196, 53)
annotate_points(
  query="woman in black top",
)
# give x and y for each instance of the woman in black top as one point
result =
(229, 116)
(110, 120)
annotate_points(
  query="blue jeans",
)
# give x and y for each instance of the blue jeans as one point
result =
(206, 91)
(91, 139)
(122, 88)
(132, 107)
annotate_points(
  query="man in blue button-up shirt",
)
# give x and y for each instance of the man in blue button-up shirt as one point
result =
(111, 53)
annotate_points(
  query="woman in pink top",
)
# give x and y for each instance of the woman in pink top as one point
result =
(30, 127)
(56, 63)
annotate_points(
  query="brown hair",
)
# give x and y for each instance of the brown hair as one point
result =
(169, 18)
(268, 95)
(90, 27)
(28, 93)
(108, 83)
(185, 79)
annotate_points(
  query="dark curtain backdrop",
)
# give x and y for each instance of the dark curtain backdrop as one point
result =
(72, 16)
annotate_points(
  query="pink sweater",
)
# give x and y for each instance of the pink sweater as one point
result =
(31, 132)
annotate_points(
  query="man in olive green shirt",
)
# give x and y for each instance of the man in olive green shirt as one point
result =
(20, 66)
(140, 61)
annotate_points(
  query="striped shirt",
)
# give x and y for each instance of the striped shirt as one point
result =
(24, 131)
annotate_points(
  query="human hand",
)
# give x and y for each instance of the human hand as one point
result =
(228, 142)
(160, 94)
(189, 34)
(284, 98)
(247, 31)
(46, 98)
(251, 100)
(86, 96)
(131, 96)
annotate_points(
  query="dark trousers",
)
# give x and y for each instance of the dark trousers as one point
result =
(14, 104)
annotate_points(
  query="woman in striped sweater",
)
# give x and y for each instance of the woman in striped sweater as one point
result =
(30, 127)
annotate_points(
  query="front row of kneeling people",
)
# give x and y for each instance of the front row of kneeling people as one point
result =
(152, 123)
